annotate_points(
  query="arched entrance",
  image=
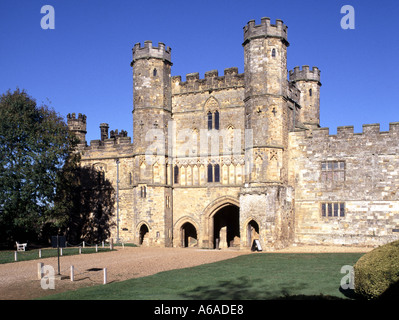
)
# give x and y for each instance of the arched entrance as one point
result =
(188, 235)
(143, 234)
(226, 227)
(252, 232)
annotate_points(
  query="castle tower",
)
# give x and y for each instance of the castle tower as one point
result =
(265, 63)
(266, 194)
(104, 131)
(308, 82)
(152, 105)
(77, 126)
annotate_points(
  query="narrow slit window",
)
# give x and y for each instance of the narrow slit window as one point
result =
(210, 173)
(209, 120)
(154, 72)
(217, 120)
(274, 53)
(176, 174)
(342, 209)
(310, 92)
(217, 173)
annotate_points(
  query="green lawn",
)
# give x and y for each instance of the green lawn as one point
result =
(253, 276)
(8, 256)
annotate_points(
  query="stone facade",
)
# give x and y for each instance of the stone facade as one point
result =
(222, 160)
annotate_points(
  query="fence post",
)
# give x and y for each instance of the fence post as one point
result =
(40, 270)
(80, 250)
(105, 276)
(83, 244)
(15, 255)
(40, 253)
(61, 251)
(103, 243)
(72, 273)
(96, 247)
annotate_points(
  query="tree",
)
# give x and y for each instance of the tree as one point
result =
(86, 197)
(34, 146)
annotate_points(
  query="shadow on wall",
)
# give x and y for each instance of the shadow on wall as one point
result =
(91, 206)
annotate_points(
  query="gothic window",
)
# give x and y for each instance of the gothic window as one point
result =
(310, 92)
(332, 171)
(176, 175)
(210, 173)
(333, 209)
(209, 120)
(274, 53)
(217, 173)
(217, 120)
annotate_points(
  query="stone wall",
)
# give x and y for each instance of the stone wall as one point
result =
(368, 188)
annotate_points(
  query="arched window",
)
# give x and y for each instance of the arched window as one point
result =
(273, 53)
(310, 92)
(217, 120)
(155, 72)
(209, 120)
(217, 173)
(176, 175)
(210, 173)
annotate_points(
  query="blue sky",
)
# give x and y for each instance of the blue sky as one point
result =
(83, 64)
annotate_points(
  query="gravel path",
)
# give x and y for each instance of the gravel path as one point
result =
(19, 280)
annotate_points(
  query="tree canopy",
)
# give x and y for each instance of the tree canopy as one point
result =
(34, 146)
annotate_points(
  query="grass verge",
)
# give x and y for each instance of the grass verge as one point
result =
(254, 276)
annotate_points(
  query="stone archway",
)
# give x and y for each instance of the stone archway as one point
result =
(252, 232)
(226, 227)
(189, 235)
(218, 219)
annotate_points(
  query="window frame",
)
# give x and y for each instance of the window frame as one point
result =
(333, 209)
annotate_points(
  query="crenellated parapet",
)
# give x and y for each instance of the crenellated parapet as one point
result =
(211, 81)
(346, 133)
(305, 74)
(265, 30)
(148, 51)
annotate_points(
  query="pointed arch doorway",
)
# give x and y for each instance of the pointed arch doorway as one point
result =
(188, 235)
(226, 227)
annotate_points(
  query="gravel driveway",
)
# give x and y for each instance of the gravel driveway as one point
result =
(19, 280)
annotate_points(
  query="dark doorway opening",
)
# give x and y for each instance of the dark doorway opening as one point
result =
(188, 235)
(252, 232)
(143, 232)
(229, 218)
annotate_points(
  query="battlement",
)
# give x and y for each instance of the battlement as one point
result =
(211, 81)
(148, 51)
(81, 117)
(265, 29)
(305, 74)
(116, 139)
(347, 132)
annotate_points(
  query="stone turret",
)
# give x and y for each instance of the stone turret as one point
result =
(308, 82)
(78, 126)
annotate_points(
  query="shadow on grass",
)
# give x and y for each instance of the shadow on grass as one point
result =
(242, 289)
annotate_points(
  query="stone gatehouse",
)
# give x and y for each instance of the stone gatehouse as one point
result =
(225, 159)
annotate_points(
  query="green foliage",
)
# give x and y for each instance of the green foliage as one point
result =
(377, 272)
(34, 145)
